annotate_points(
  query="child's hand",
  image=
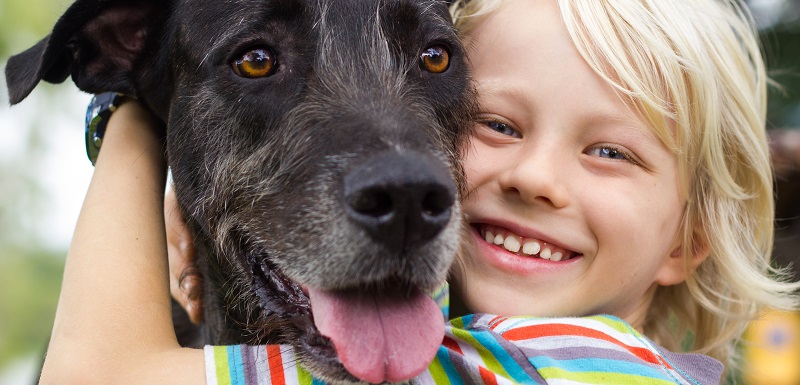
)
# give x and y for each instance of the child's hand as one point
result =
(185, 282)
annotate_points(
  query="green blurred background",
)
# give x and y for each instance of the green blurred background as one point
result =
(44, 173)
(35, 138)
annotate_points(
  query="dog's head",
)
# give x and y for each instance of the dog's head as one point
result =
(313, 146)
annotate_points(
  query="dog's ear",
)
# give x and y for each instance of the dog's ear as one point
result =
(97, 41)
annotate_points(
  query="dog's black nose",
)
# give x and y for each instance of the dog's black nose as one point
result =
(402, 200)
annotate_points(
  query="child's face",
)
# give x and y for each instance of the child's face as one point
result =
(560, 161)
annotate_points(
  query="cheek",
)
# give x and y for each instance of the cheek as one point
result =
(665, 207)
(480, 164)
(637, 221)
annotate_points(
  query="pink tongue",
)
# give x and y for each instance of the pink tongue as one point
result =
(379, 339)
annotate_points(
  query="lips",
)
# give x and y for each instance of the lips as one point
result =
(524, 246)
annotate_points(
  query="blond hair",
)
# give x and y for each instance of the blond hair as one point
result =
(693, 70)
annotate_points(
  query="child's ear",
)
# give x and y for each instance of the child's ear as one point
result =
(683, 261)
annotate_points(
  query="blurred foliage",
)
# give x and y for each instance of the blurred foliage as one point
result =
(23, 22)
(30, 276)
(29, 285)
(22, 199)
(782, 45)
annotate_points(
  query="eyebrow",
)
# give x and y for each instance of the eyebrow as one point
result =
(501, 90)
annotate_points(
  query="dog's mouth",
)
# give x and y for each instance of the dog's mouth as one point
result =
(369, 332)
(279, 295)
(283, 298)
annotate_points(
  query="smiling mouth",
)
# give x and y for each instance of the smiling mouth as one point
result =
(523, 246)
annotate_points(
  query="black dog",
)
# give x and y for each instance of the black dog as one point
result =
(312, 144)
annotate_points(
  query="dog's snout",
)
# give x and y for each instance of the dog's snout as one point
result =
(401, 200)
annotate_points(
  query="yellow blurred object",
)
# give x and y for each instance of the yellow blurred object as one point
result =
(772, 350)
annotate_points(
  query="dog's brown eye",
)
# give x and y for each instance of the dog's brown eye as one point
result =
(256, 63)
(435, 59)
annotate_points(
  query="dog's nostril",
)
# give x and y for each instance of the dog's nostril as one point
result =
(436, 202)
(372, 202)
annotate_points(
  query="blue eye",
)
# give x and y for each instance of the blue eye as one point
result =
(502, 128)
(610, 152)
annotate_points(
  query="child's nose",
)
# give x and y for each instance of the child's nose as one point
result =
(537, 178)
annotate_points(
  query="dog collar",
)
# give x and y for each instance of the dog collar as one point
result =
(97, 114)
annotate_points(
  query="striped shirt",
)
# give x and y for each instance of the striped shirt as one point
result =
(487, 349)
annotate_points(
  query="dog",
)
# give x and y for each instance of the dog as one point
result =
(313, 146)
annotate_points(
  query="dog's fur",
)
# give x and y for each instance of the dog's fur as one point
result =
(264, 169)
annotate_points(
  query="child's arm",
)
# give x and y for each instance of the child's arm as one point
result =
(113, 321)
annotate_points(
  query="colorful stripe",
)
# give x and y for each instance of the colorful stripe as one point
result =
(483, 352)
(221, 358)
(441, 295)
(492, 350)
(602, 377)
(237, 368)
(452, 375)
(436, 372)
(275, 362)
(560, 329)
(595, 365)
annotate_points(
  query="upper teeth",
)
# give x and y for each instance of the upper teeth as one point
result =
(529, 246)
(511, 244)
